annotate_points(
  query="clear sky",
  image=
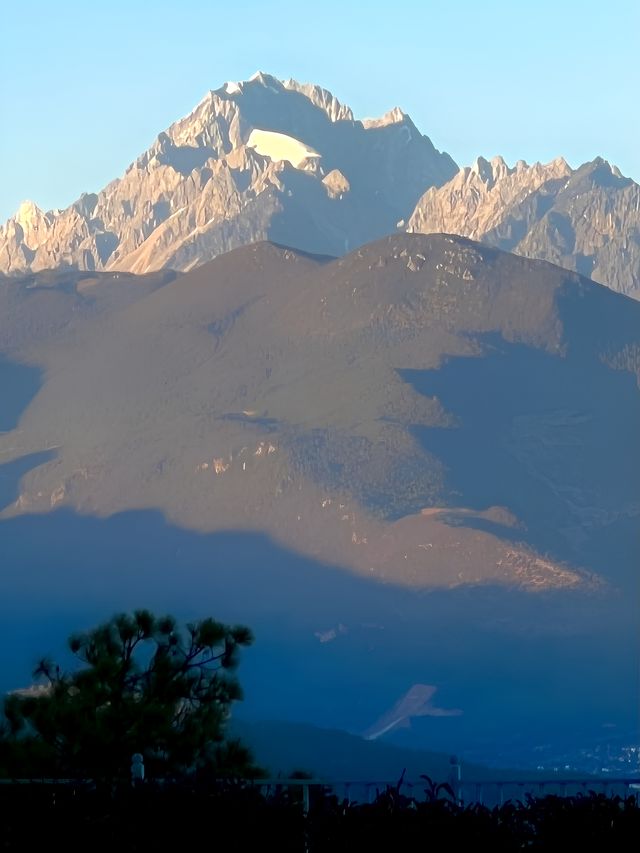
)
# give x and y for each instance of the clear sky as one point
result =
(86, 86)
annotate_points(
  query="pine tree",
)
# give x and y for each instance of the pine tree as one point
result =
(144, 685)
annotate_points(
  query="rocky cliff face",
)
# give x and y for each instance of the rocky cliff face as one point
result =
(587, 220)
(285, 161)
(254, 160)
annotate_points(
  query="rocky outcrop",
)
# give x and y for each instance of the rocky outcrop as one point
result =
(587, 220)
(254, 160)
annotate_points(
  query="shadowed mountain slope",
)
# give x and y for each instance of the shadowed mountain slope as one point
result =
(336, 755)
(373, 461)
(424, 410)
(333, 648)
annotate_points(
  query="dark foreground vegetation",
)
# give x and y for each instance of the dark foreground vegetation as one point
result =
(239, 817)
(141, 685)
(149, 700)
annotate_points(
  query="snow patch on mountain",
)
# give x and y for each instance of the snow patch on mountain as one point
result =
(280, 146)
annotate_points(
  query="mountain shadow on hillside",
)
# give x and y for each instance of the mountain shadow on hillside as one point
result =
(549, 438)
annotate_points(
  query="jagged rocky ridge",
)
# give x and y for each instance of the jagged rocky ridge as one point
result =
(255, 160)
(285, 161)
(587, 219)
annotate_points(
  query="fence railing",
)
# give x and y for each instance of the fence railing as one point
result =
(484, 792)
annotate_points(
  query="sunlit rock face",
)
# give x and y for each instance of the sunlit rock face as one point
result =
(255, 160)
(587, 219)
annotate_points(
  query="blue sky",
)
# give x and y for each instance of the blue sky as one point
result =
(85, 87)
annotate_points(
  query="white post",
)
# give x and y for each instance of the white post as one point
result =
(137, 769)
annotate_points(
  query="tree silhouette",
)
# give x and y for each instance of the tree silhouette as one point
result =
(145, 686)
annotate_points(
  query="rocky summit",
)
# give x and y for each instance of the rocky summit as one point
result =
(266, 159)
(255, 160)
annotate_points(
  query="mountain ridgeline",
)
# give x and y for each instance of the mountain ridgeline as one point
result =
(275, 160)
(256, 160)
(587, 219)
